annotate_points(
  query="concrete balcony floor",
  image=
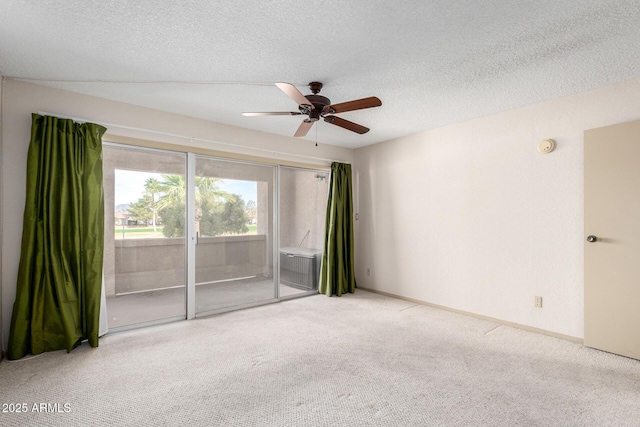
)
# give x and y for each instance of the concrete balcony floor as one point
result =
(130, 309)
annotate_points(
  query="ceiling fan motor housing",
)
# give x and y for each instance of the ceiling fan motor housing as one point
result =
(314, 115)
(318, 102)
(315, 87)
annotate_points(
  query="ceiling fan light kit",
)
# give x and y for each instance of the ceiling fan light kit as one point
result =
(317, 106)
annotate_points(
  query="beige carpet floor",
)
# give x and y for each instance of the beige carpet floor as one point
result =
(359, 360)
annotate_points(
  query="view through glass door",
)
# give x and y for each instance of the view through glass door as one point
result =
(152, 274)
(144, 261)
(234, 222)
(303, 206)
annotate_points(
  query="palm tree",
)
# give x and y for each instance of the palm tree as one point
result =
(207, 190)
(173, 189)
(207, 193)
(152, 187)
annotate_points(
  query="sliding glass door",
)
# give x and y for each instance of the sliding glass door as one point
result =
(234, 222)
(144, 261)
(189, 235)
(303, 205)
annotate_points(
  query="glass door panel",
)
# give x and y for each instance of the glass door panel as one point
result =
(144, 261)
(303, 206)
(234, 223)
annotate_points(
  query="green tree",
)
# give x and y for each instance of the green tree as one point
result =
(173, 189)
(171, 204)
(209, 204)
(173, 220)
(152, 188)
(251, 208)
(234, 217)
(210, 219)
(141, 210)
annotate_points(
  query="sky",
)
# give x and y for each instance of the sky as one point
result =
(129, 186)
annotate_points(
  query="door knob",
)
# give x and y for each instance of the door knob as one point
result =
(592, 239)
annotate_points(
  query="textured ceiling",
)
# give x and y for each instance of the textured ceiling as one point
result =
(431, 63)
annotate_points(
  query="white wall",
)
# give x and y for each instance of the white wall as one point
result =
(21, 99)
(472, 217)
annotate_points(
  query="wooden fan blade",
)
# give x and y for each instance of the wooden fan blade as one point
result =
(346, 124)
(304, 128)
(294, 93)
(274, 113)
(358, 104)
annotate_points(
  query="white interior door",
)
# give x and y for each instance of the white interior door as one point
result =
(612, 239)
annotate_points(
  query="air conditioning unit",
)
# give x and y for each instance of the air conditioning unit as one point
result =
(300, 267)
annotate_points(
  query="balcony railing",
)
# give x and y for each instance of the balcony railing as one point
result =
(151, 264)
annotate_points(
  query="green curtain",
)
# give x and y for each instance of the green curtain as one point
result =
(60, 274)
(337, 274)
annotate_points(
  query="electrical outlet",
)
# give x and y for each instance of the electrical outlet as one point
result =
(368, 272)
(537, 301)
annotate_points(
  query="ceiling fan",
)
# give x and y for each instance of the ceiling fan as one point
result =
(316, 106)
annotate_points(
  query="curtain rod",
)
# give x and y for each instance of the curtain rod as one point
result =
(189, 138)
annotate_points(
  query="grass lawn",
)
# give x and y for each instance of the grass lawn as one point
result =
(128, 230)
(148, 233)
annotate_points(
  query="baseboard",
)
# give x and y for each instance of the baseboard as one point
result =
(479, 316)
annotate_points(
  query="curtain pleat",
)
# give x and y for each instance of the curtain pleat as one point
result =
(337, 275)
(60, 274)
